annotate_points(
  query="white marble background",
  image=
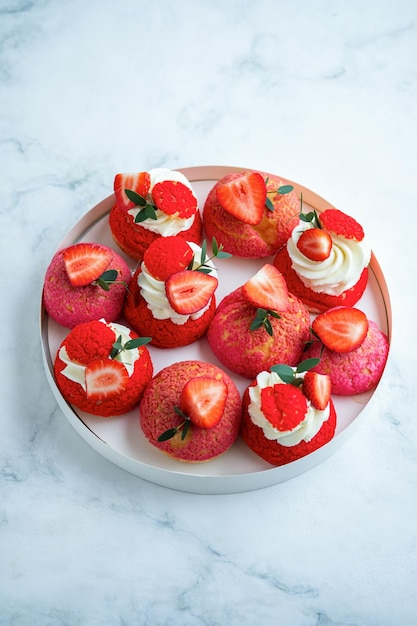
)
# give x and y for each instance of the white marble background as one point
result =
(323, 92)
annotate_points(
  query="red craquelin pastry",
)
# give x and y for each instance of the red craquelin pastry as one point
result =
(172, 293)
(102, 368)
(259, 324)
(287, 414)
(251, 214)
(352, 350)
(325, 260)
(191, 410)
(158, 203)
(85, 281)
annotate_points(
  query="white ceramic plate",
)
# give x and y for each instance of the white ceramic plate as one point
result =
(120, 439)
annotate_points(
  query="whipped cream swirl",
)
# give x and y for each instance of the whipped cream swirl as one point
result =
(165, 225)
(304, 431)
(76, 371)
(339, 272)
(153, 291)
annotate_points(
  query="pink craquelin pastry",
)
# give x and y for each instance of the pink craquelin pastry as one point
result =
(191, 411)
(259, 324)
(84, 282)
(251, 213)
(351, 349)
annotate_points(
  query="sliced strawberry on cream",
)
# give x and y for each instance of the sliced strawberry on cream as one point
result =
(341, 329)
(244, 197)
(315, 244)
(203, 400)
(139, 183)
(172, 197)
(341, 224)
(317, 389)
(267, 289)
(105, 379)
(85, 262)
(190, 291)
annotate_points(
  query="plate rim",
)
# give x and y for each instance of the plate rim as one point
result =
(190, 482)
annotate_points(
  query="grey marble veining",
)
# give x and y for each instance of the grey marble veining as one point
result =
(323, 93)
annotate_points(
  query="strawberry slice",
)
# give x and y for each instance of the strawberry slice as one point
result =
(172, 196)
(244, 197)
(284, 406)
(341, 329)
(317, 388)
(341, 224)
(315, 244)
(85, 262)
(267, 289)
(105, 379)
(139, 183)
(189, 291)
(203, 400)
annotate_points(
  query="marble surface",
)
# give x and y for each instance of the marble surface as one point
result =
(323, 93)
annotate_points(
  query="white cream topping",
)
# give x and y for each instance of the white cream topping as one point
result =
(153, 291)
(76, 371)
(304, 431)
(339, 272)
(165, 225)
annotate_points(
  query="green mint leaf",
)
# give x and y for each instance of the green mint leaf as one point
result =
(269, 204)
(204, 269)
(285, 189)
(214, 246)
(109, 276)
(136, 343)
(135, 198)
(268, 327)
(223, 255)
(168, 434)
(185, 429)
(285, 372)
(103, 284)
(306, 365)
(203, 252)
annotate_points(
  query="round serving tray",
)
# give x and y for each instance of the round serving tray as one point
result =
(120, 439)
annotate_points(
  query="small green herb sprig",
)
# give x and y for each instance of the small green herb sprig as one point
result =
(108, 278)
(282, 190)
(131, 344)
(183, 427)
(289, 375)
(146, 209)
(310, 217)
(218, 253)
(261, 319)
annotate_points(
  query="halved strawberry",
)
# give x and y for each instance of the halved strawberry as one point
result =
(244, 197)
(189, 291)
(341, 329)
(341, 224)
(203, 400)
(267, 289)
(317, 388)
(172, 196)
(315, 244)
(85, 262)
(284, 406)
(138, 182)
(105, 379)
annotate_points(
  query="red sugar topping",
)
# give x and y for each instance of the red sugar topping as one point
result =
(89, 342)
(166, 256)
(283, 405)
(171, 196)
(341, 224)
